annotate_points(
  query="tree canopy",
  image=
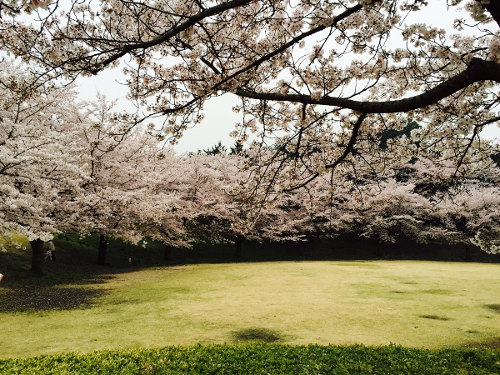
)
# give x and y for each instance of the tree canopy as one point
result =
(319, 80)
(355, 114)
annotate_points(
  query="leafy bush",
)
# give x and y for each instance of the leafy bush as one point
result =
(261, 358)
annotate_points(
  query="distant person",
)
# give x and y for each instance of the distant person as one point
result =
(51, 253)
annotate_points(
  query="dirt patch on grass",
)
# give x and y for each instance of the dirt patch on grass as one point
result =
(26, 298)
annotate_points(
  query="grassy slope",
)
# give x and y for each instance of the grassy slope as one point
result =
(419, 304)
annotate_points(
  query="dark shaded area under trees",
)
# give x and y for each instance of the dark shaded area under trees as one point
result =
(76, 263)
(80, 252)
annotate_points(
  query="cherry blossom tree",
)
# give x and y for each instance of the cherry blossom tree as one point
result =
(287, 219)
(218, 202)
(106, 202)
(130, 193)
(391, 210)
(42, 167)
(419, 202)
(468, 214)
(168, 209)
(216, 190)
(139, 188)
(320, 80)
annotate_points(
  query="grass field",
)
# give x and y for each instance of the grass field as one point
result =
(415, 304)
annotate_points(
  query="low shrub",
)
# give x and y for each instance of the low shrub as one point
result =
(262, 358)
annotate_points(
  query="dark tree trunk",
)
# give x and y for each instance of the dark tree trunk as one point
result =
(168, 253)
(468, 253)
(494, 8)
(238, 241)
(379, 251)
(37, 256)
(300, 249)
(307, 246)
(103, 249)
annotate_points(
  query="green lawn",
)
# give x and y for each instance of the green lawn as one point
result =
(414, 304)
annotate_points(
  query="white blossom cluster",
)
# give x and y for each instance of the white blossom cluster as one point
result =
(485, 244)
(494, 48)
(41, 165)
(477, 9)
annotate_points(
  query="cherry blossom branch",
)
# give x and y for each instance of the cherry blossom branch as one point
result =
(345, 154)
(285, 46)
(191, 21)
(350, 145)
(261, 60)
(477, 71)
(475, 134)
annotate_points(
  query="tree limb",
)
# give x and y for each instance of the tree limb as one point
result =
(192, 20)
(477, 71)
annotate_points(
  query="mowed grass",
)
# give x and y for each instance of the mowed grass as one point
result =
(414, 304)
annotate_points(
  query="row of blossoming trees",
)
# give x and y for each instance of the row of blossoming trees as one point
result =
(319, 82)
(77, 167)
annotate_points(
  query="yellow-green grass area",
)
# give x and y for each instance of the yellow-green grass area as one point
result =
(409, 303)
(13, 240)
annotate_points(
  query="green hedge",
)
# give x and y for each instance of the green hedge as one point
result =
(257, 358)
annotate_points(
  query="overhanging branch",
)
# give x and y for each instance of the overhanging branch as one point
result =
(191, 21)
(478, 70)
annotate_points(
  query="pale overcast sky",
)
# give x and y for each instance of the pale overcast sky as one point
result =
(218, 122)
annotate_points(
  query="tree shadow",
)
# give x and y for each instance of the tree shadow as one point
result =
(493, 343)
(69, 282)
(435, 317)
(256, 334)
(36, 298)
(494, 307)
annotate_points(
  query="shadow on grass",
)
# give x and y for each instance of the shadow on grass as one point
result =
(33, 298)
(494, 307)
(435, 317)
(487, 344)
(256, 335)
(67, 283)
